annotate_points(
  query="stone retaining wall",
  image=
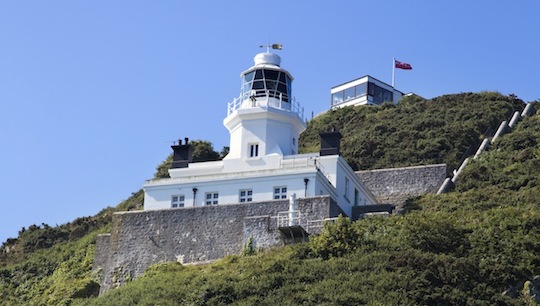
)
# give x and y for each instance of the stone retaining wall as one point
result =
(142, 238)
(394, 186)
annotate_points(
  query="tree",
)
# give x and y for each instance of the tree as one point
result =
(202, 151)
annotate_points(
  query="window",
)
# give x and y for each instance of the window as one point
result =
(177, 201)
(280, 192)
(271, 74)
(356, 197)
(245, 195)
(211, 198)
(258, 74)
(337, 98)
(349, 93)
(258, 85)
(266, 82)
(254, 150)
(379, 94)
(248, 77)
(361, 89)
(271, 85)
(282, 78)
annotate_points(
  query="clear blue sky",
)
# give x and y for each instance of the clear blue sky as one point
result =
(93, 93)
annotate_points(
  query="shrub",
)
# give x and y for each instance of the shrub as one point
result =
(336, 239)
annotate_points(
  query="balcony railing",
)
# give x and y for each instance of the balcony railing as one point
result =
(291, 218)
(266, 99)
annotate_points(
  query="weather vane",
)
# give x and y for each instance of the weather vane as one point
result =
(273, 46)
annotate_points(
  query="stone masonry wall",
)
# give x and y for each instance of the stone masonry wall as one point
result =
(140, 239)
(103, 244)
(394, 186)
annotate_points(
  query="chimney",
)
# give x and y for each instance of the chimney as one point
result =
(330, 143)
(182, 154)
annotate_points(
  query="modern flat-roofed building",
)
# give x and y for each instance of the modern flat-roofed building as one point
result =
(366, 90)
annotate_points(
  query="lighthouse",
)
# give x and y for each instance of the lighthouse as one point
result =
(263, 190)
(264, 119)
(264, 123)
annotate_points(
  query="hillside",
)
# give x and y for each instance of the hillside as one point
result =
(51, 265)
(466, 247)
(415, 132)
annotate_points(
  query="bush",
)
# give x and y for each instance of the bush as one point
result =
(336, 239)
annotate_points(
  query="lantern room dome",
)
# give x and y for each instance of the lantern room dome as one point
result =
(267, 58)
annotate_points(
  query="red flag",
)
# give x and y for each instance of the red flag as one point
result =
(401, 65)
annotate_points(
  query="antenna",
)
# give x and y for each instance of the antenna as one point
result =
(273, 46)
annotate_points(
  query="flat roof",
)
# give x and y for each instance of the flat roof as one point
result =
(369, 77)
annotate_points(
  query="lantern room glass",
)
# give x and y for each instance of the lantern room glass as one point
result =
(266, 83)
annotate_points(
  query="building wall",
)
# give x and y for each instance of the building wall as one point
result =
(394, 186)
(159, 197)
(327, 175)
(271, 128)
(397, 96)
(362, 99)
(140, 239)
(338, 173)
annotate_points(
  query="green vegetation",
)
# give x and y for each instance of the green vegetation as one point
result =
(52, 265)
(415, 132)
(516, 172)
(466, 247)
(202, 151)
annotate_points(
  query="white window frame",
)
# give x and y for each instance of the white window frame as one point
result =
(178, 200)
(211, 198)
(245, 195)
(280, 192)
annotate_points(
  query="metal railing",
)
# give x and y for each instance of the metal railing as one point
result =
(299, 219)
(305, 162)
(317, 225)
(283, 103)
(291, 218)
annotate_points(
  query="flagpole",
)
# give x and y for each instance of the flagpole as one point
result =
(393, 70)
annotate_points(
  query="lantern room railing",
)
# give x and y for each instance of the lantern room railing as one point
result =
(266, 99)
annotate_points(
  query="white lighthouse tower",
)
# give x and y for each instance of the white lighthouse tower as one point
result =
(264, 119)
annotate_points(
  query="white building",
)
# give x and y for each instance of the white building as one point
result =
(263, 164)
(366, 90)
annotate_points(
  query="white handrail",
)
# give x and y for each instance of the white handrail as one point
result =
(284, 218)
(237, 103)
